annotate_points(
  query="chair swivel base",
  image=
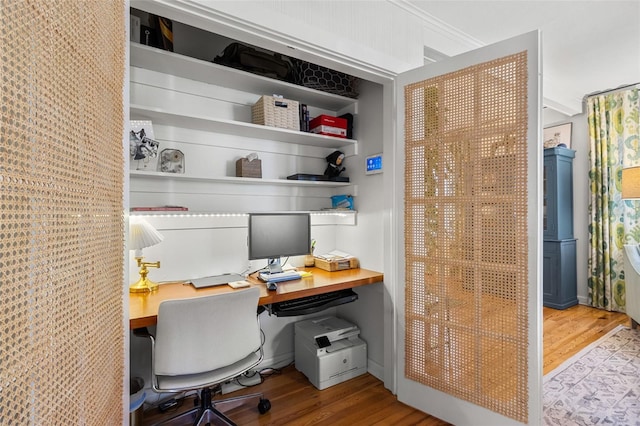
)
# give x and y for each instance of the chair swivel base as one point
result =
(208, 414)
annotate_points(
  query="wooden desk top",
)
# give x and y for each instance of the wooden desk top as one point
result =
(143, 307)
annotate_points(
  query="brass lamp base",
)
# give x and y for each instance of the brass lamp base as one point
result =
(143, 285)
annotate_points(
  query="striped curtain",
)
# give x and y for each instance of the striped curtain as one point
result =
(614, 144)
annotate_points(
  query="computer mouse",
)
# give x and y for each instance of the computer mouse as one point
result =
(272, 286)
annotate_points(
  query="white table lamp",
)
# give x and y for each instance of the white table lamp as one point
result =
(141, 235)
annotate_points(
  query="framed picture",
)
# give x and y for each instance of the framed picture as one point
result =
(557, 135)
(143, 148)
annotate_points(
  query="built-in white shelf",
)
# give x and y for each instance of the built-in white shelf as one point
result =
(236, 180)
(172, 220)
(239, 128)
(208, 72)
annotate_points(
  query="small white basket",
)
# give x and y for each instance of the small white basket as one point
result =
(276, 112)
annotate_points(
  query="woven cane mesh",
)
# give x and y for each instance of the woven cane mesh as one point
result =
(466, 234)
(61, 196)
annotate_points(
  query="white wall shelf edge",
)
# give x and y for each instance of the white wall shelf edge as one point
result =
(250, 130)
(235, 180)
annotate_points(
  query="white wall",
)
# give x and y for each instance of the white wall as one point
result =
(367, 239)
(579, 143)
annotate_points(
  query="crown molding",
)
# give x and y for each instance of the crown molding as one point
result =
(438, 26)
(555, 96)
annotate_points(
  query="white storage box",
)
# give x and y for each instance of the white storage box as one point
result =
(328, 351)
(276, 112)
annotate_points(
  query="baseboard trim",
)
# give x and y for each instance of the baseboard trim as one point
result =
(375, 369)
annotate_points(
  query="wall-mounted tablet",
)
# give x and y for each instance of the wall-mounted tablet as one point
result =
(374, 164)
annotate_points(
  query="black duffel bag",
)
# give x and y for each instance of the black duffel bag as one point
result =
(250, 59)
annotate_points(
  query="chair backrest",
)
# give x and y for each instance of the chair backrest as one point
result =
(632, 280)
(206, 333)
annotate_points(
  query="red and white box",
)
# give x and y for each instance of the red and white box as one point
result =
(329, 126)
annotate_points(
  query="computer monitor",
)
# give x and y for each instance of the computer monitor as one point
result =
(276, 235)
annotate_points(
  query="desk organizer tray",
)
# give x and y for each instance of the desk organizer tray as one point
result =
(336, 265)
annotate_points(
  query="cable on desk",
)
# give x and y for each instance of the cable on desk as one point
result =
(263, 269)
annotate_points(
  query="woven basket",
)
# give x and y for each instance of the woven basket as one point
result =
(276, 112)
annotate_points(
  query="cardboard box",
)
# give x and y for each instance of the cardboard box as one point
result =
(329, 126)
(337, 265)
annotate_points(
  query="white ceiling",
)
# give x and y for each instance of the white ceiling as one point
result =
(588, 46)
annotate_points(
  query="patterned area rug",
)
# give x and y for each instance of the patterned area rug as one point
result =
(598, 386)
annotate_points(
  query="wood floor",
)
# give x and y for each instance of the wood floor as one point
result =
(365, 401)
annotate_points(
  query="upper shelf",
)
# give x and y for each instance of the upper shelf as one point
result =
(241, 180)
(172, 63)
(250, 130)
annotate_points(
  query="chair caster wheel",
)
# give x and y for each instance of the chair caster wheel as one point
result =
(264, 405)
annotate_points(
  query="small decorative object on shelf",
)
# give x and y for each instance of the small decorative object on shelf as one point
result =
(143, 149)
(171, 161)
(250, 166)
(309, 260)
(275, 111)
(334, 166)
(331, 173)
(342, 202)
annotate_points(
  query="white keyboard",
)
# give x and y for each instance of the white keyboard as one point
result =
(279, 276)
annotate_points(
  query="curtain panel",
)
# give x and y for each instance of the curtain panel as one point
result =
(613, 140)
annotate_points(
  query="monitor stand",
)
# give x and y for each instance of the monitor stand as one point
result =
(274, 265)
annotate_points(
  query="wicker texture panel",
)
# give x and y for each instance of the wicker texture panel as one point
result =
(62, 224)
(276, 112)
(466, 234)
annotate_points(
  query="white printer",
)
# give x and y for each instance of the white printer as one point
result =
(328, 351)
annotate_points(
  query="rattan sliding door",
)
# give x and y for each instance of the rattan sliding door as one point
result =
(62, 357)
(468, 237)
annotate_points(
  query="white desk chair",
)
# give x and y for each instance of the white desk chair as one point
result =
(203, 342)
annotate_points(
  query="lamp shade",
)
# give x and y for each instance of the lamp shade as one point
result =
(631, 183)
(142, 234)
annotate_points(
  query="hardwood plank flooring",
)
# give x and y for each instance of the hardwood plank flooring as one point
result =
(568, 331)
(364, 401)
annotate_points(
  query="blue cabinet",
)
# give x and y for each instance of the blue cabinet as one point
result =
(557, 219)
(559, 289)
(559, 284)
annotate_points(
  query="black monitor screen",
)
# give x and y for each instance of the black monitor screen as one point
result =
(274, 235)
